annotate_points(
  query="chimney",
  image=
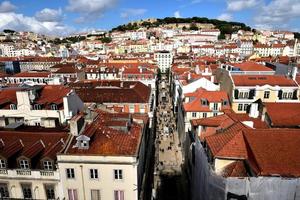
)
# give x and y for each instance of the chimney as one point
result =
(254, 110)
(76, 125)
(294, 72)
(189, 76)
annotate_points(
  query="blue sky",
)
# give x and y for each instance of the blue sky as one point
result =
(67, 16)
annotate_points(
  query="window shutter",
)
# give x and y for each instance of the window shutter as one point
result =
(236, 94)
(295, 94)
(280, 94)
(251, 94)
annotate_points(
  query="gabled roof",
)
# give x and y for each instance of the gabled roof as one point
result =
(229, 144)
(211, 96)
(235, 169)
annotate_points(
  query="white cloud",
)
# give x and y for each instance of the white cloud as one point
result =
(19, 22)
(6, 7)
(49, 15)
(225, 17)
(129, 12)
(90, 9)
(238, 5)
(278, 13)
(177, 14)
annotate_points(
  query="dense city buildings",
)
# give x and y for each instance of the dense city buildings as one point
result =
(156, 109)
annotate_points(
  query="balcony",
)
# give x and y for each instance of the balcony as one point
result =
(27, 173)
(23, 172)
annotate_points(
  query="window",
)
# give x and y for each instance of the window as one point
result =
(215, 106)
(118, 174)
(194, 114)
(24, 164)
(54, 107)
(2, 164)
(72, 194)
(204, 115)
(215, 114)
(119, 195)
(36, 107)
(4, 190)
(70, 173)
(26, 189)
(240, 107)
(48, 165)
(245, 107)
(94, 173)
(225, 103)
(131, 108)
(290, 95)
(13, 107)
(50, 192)
(267, 94)
(243, 95)
(284, 95)
(95, 195)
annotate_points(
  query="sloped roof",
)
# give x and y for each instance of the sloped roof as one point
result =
(253, 80)
(107, 141)
(274, 152)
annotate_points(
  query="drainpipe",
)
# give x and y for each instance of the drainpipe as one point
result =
(83, 188)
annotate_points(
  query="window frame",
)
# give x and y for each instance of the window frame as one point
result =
(48, 168)
(119, 175)
(240, 107)
(266, 94)
(2, 163)
(48, 187)
(27, 188)
(23, 164)
(70, 173)
(94, 175)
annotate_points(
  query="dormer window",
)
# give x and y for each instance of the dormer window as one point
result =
(48, 165)
(2, 164)
(82, 142)
(37, 107)
(204, 102)
(24, 164)
(54, 107)
(13, 107)
(225, 103)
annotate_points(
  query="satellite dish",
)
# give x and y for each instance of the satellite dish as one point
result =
(32, 97)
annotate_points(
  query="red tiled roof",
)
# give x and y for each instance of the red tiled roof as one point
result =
(253, 80)
(33, 74)
(211, 96)
(131, 92)
(107, 141)
(274, 152)
(235, 169)
(283, 114)
(251, 66)
(230, 144)
(28, 143)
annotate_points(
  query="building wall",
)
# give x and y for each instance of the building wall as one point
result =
(106, 183)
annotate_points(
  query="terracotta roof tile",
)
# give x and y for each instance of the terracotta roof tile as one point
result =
(253, 80)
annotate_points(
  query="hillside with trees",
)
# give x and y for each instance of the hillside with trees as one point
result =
(224, 26)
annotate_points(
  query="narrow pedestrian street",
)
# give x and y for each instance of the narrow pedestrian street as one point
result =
(168, 184)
